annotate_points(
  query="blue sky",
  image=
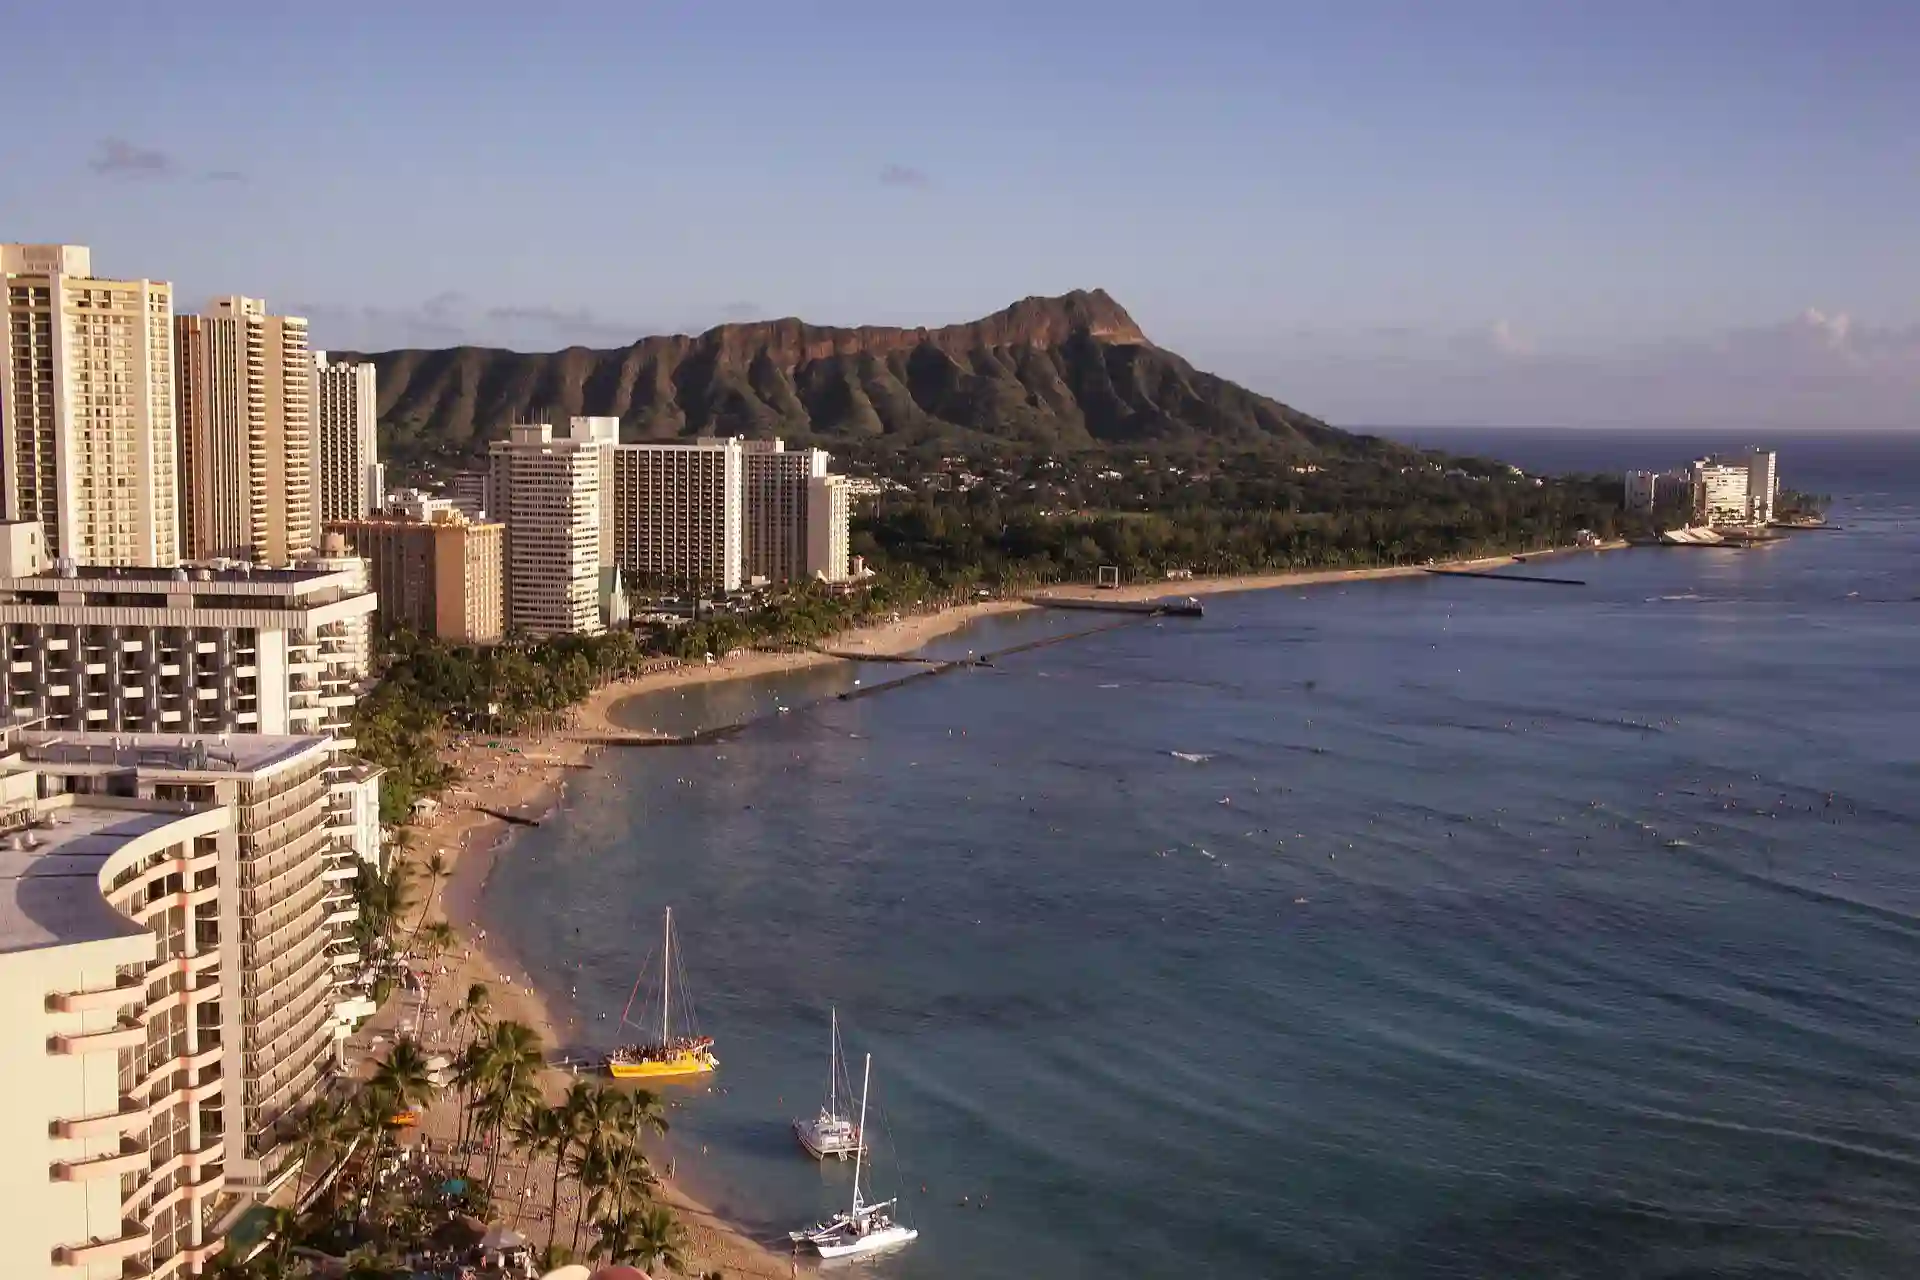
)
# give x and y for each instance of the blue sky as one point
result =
(1690, 212)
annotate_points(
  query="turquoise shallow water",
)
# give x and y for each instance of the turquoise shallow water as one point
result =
(1503, 930)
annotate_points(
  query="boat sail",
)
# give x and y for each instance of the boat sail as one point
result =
(864, 1228)
(831, 1133)
(667, 1056)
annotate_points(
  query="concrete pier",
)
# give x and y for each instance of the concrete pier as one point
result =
(1164, 607)
(1507, 577)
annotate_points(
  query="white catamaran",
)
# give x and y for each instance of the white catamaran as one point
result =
(832, 1132)
(865, 1228)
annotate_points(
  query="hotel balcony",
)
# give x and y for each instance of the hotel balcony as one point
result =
(126, 991)
(131, 1115)
(133, 1238)
(127, 1033)
(132, 1157)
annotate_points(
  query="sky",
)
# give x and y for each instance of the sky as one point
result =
(1475, 212)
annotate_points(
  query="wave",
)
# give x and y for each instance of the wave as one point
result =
(1191, 757)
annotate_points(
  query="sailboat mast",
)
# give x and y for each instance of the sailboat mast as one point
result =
(860, 1136)
(833, 1063)
(666, 978)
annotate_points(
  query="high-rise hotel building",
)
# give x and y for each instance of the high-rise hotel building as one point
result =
(829, 528)
(166, 989)
(350, 479)
(678, 515)
(547, 494)
(1740, 490)
(87, 433)
(776, 484)
(200, 651)
(437, 574)
(244, 398)
(794, 511)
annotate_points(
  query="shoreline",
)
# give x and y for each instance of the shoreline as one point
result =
(899, 634)
(1230, 583)
(527, 775)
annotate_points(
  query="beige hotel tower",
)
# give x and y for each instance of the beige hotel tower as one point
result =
(245, 403)
(87, 408)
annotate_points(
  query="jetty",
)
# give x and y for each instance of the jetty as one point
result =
(512, 819)
(930, 668)
(1507, 577)
(1164, 607)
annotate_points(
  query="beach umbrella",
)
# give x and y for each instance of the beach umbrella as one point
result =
(572, 1271)
(502, 1238)
(621, 1273)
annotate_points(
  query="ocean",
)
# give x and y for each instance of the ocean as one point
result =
(1477, 929)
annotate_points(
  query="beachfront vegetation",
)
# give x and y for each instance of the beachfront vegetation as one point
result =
(1002, 522)
(358, 1202)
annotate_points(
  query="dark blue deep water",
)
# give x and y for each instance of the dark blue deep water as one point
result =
(1504, 930)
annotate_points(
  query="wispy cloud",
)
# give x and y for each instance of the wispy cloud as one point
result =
(454, 318)
(223, 175)
(1821, 367)
(576, 325)
(903, 175)
(118, 158)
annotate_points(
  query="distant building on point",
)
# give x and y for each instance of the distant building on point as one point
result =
(1736, 491)
(1647, 490)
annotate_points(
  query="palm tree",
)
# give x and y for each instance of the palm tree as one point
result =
(591, 1114)
(471, 1071)
(543, 1130)
(613, 1183)
(400, 1083)
(436, 939)
(650, 1239)
(383, 898)
(317, 1133)
(470, 1015)
(645, 1112)
(472, 1012)
(605, 1124)
(509, 1075)
(435, 871)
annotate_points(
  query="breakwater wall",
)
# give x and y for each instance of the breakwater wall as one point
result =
(932, 668)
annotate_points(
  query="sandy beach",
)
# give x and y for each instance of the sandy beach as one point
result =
(901, 634)
(525, 776)
(1302, 578)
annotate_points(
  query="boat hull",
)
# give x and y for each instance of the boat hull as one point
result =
(872, 1242)
(686, 1064)
(819, 1149)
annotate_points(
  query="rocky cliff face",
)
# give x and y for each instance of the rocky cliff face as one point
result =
(1057, 373)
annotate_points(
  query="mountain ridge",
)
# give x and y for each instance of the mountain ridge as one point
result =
(1066, 372)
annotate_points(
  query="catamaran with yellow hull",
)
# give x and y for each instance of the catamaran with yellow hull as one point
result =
(669, 1056)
